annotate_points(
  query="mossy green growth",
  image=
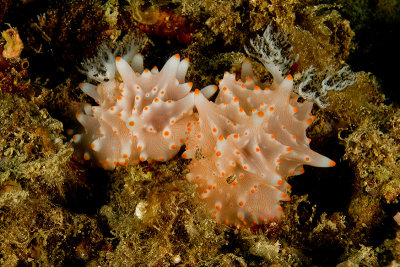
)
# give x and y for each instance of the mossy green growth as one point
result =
(35, 167)
(35, 231)
(31, 146)
(369, 131)
(157, 218)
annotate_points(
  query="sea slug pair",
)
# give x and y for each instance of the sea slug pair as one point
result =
(242, 146)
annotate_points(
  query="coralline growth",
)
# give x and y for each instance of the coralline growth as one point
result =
(242, 146)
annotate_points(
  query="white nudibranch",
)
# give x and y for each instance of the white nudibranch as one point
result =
(132, 121)
(243, 145)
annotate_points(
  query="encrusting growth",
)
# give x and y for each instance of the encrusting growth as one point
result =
(242, 146)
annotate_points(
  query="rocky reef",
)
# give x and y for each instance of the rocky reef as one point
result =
(58, 210)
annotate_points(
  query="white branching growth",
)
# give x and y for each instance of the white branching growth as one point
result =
(101, 68)
(273, 50)
(314, 86)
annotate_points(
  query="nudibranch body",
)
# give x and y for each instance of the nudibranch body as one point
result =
(141, 114)
(249, 141)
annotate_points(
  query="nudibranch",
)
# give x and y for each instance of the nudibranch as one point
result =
(242, 146)
(141, 114)
(246, 143)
